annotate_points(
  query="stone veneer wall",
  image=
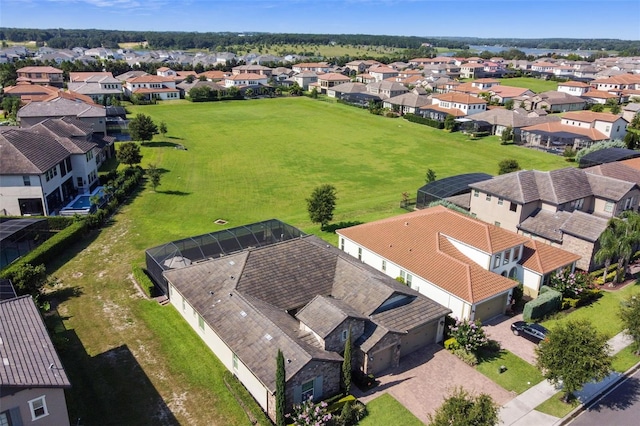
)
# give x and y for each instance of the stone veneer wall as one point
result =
(582, 248)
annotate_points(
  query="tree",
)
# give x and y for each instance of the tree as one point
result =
(635, 121)
(314, 93)
(449, 122)
(142, 128)
(162, 128)
(129, 153)
(29, 279)
(463, 409)
(615, 109)
(607, 252)
(630, 316)
(509, 104)
(507, 166)
(346, 364)
(153, 173)
(631, 140)
(430, 176)
(321, 204)
(574, 353)
(597, 107)
(280, 390)
(507, 135)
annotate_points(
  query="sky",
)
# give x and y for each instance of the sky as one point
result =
(619, 19)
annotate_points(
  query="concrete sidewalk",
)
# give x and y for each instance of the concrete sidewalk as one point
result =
(520, 411)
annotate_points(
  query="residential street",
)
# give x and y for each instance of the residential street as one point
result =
(620, 407)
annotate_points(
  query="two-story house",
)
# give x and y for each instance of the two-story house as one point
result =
(44, 75)
(380, 73)
(328, 80)
(567, 208)
(41, 171)
(245, 79)
(468, 104)
(99, 86)
(91, 114)
(455, 260)
(611, 125)
(152, 87)
(386, 89)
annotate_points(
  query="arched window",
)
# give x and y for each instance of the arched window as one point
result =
(513, 273)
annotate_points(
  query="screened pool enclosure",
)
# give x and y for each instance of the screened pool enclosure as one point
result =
(182, 253)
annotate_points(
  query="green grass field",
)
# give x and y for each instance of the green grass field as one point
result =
(605, 307)
(245, 161)
(386, 410)
(535, 84)
(253, 160)
(519, 376)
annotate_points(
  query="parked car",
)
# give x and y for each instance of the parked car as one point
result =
(529, 330)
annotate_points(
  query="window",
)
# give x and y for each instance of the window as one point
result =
(307, 390)
(343, 335)
(384, 265)
(476, 193)
(513, 207)
(38, 408)
(201, 322)
(507, 257)
(342, 244)
(496, 262)
(516, 253)
(496, 223)
(500, 201)
(235, 362)
(402, 274)
(627, 203)
(67, 162)
(579, 204)
(488, 197)
(359, 253)
(26, 180)
(608, 207)
(409, 279)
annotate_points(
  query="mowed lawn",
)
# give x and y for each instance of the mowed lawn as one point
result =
(535, 84)
(260, 159)
(132, 361)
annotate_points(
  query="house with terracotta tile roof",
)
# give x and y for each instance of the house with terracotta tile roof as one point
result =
(328, 80)
(554, 101)
(617, 83)
(28, 92)
(611, 125)
(245, 79)
(467, 104)
(267, 286)
(44, 75)
(383, 72)
(312, 66)
(152, 87)
(504, 94)
(575, 88)
(471, 70)
(456, 260)
(567, 208)
(97, 85)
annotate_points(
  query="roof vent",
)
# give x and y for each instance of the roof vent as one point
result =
(243, 314)
(5, 361)
(406, 224)
(231, 262)
(268, 336)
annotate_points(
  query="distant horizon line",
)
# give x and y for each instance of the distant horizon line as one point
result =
(450, 37)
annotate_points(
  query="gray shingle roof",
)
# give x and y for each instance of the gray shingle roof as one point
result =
(609, 188)
(586, 226)
(71, 133)
(23, 152)
(525, 186)
(546, 224)
(29, 358)
(61, 107)
(245, 297)
(616, 170)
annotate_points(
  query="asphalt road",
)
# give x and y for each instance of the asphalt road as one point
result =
(621, 407)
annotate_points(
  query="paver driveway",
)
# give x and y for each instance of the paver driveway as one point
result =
(499, 329)
(426, 377)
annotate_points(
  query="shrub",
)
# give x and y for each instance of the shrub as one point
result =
(143, 280)
(50, 249)
(352, 412)
(451, 344)
(468, 358)
(336, 406)
(469, 335)
(308, 414)
(568, 303)
(425, 121)
(57, 223)
(480, 134)
(546, 303)
(570, 284)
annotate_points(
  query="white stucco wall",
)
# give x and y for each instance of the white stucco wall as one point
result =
(531, 281)
(460, 308)
(219, 348)
(12, 188)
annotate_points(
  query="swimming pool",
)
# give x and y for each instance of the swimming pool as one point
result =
(82, 203)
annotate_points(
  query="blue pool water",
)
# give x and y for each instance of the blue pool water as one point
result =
(83, 202)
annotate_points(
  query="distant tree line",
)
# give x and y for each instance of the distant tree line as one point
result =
(624, 47)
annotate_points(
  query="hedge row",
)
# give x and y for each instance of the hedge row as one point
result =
(547, 302)
(50, 249)
(253, 411)
(143, 280)
(426, 121)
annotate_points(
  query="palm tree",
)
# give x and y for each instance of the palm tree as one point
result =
(629, 237)
(607, 251)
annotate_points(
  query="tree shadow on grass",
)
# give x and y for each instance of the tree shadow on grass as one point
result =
(331, 228)
(487, 355)
(161, 144)
(172, 192)
(175, 137)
